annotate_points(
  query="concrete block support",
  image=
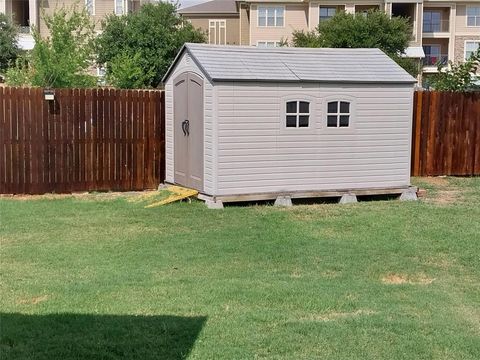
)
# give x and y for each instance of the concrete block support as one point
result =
(216, 205)
(348, 199)
(409, 195)
(283, 201)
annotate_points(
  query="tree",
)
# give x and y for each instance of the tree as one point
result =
(149, 38)
(459, 77)
(373, 30)
(126, 72)
(9, 50)
(64, 58)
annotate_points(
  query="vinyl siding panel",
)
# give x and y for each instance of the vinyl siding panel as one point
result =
(186, 64)
(256, 153)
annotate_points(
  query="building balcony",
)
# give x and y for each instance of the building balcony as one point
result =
(432, 27)
(435, 60)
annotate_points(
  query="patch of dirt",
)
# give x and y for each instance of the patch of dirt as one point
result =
(334, 315)
(436, 181)
(331, 274)
(296, 274)
(399, 279)
(133, 196)
(33, 301)
(444, 192)
(447, 196)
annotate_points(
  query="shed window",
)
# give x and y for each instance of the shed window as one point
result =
(297, 113)
(338, 114)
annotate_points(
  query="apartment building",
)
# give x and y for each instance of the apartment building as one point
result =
(442, 30)
(27, 13)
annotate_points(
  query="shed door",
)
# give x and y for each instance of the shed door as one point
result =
(188, 130)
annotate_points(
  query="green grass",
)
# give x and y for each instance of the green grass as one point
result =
(105, 278)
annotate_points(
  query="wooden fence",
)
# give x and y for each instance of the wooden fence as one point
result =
(446, 134)
(84, 140)
(105, 139)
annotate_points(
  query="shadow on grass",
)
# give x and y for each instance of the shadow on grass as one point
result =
(77, 336)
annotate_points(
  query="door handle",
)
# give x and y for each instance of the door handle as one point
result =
(186, 128)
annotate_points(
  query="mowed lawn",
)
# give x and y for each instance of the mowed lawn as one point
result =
(101, 277)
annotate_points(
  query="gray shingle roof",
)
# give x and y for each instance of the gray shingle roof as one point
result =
(242, 63)
(212, 7)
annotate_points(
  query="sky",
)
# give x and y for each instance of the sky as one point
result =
(186, 3)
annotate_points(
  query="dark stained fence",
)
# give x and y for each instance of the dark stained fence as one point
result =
(84, 140)
(446, 134)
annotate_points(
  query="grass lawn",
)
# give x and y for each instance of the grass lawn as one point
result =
(101, 277)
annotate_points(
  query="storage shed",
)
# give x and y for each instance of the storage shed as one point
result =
(247, 123)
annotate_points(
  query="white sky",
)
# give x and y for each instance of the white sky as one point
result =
(186, 3)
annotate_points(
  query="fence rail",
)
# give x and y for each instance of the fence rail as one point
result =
(446, 134)
(84, 140)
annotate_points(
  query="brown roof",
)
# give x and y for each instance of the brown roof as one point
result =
(212, 7)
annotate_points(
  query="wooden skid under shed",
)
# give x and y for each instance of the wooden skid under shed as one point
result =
(306, 194)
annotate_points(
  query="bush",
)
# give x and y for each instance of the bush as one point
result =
(375, 30)
(64, 58)
(9, 50)
(459, 77)
(148, 39)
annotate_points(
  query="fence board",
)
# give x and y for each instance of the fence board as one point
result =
(446, 134)
(84, 140)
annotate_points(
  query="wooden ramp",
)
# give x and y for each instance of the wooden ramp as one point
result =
(177, 193)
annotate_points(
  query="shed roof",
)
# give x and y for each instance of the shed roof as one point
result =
(212, 7)
(249, 63)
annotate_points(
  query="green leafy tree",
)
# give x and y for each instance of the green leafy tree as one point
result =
(459, 77)
(64, 58)
(149, 38)
(373, 30)
(127, 72)
(9, 50)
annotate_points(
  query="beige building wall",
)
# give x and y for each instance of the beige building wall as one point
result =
(461, 27)
(244, 24)
(232, 26)
(295, 18)
(349, 7)
(102, 8)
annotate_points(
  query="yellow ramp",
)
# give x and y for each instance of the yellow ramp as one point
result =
(177, 193)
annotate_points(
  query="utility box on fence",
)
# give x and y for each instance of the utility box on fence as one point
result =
(247, 123)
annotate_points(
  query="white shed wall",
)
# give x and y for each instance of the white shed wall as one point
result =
(185, 63)
(256, 154)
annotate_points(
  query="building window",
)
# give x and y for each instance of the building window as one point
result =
(470, 48)
(268, 44)
(327, 13)
(119, 7)
(90, 6)
(338, 114)
(473, 15)
(271, 16)
(431, 21)
(217, 32)
(297, 114)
